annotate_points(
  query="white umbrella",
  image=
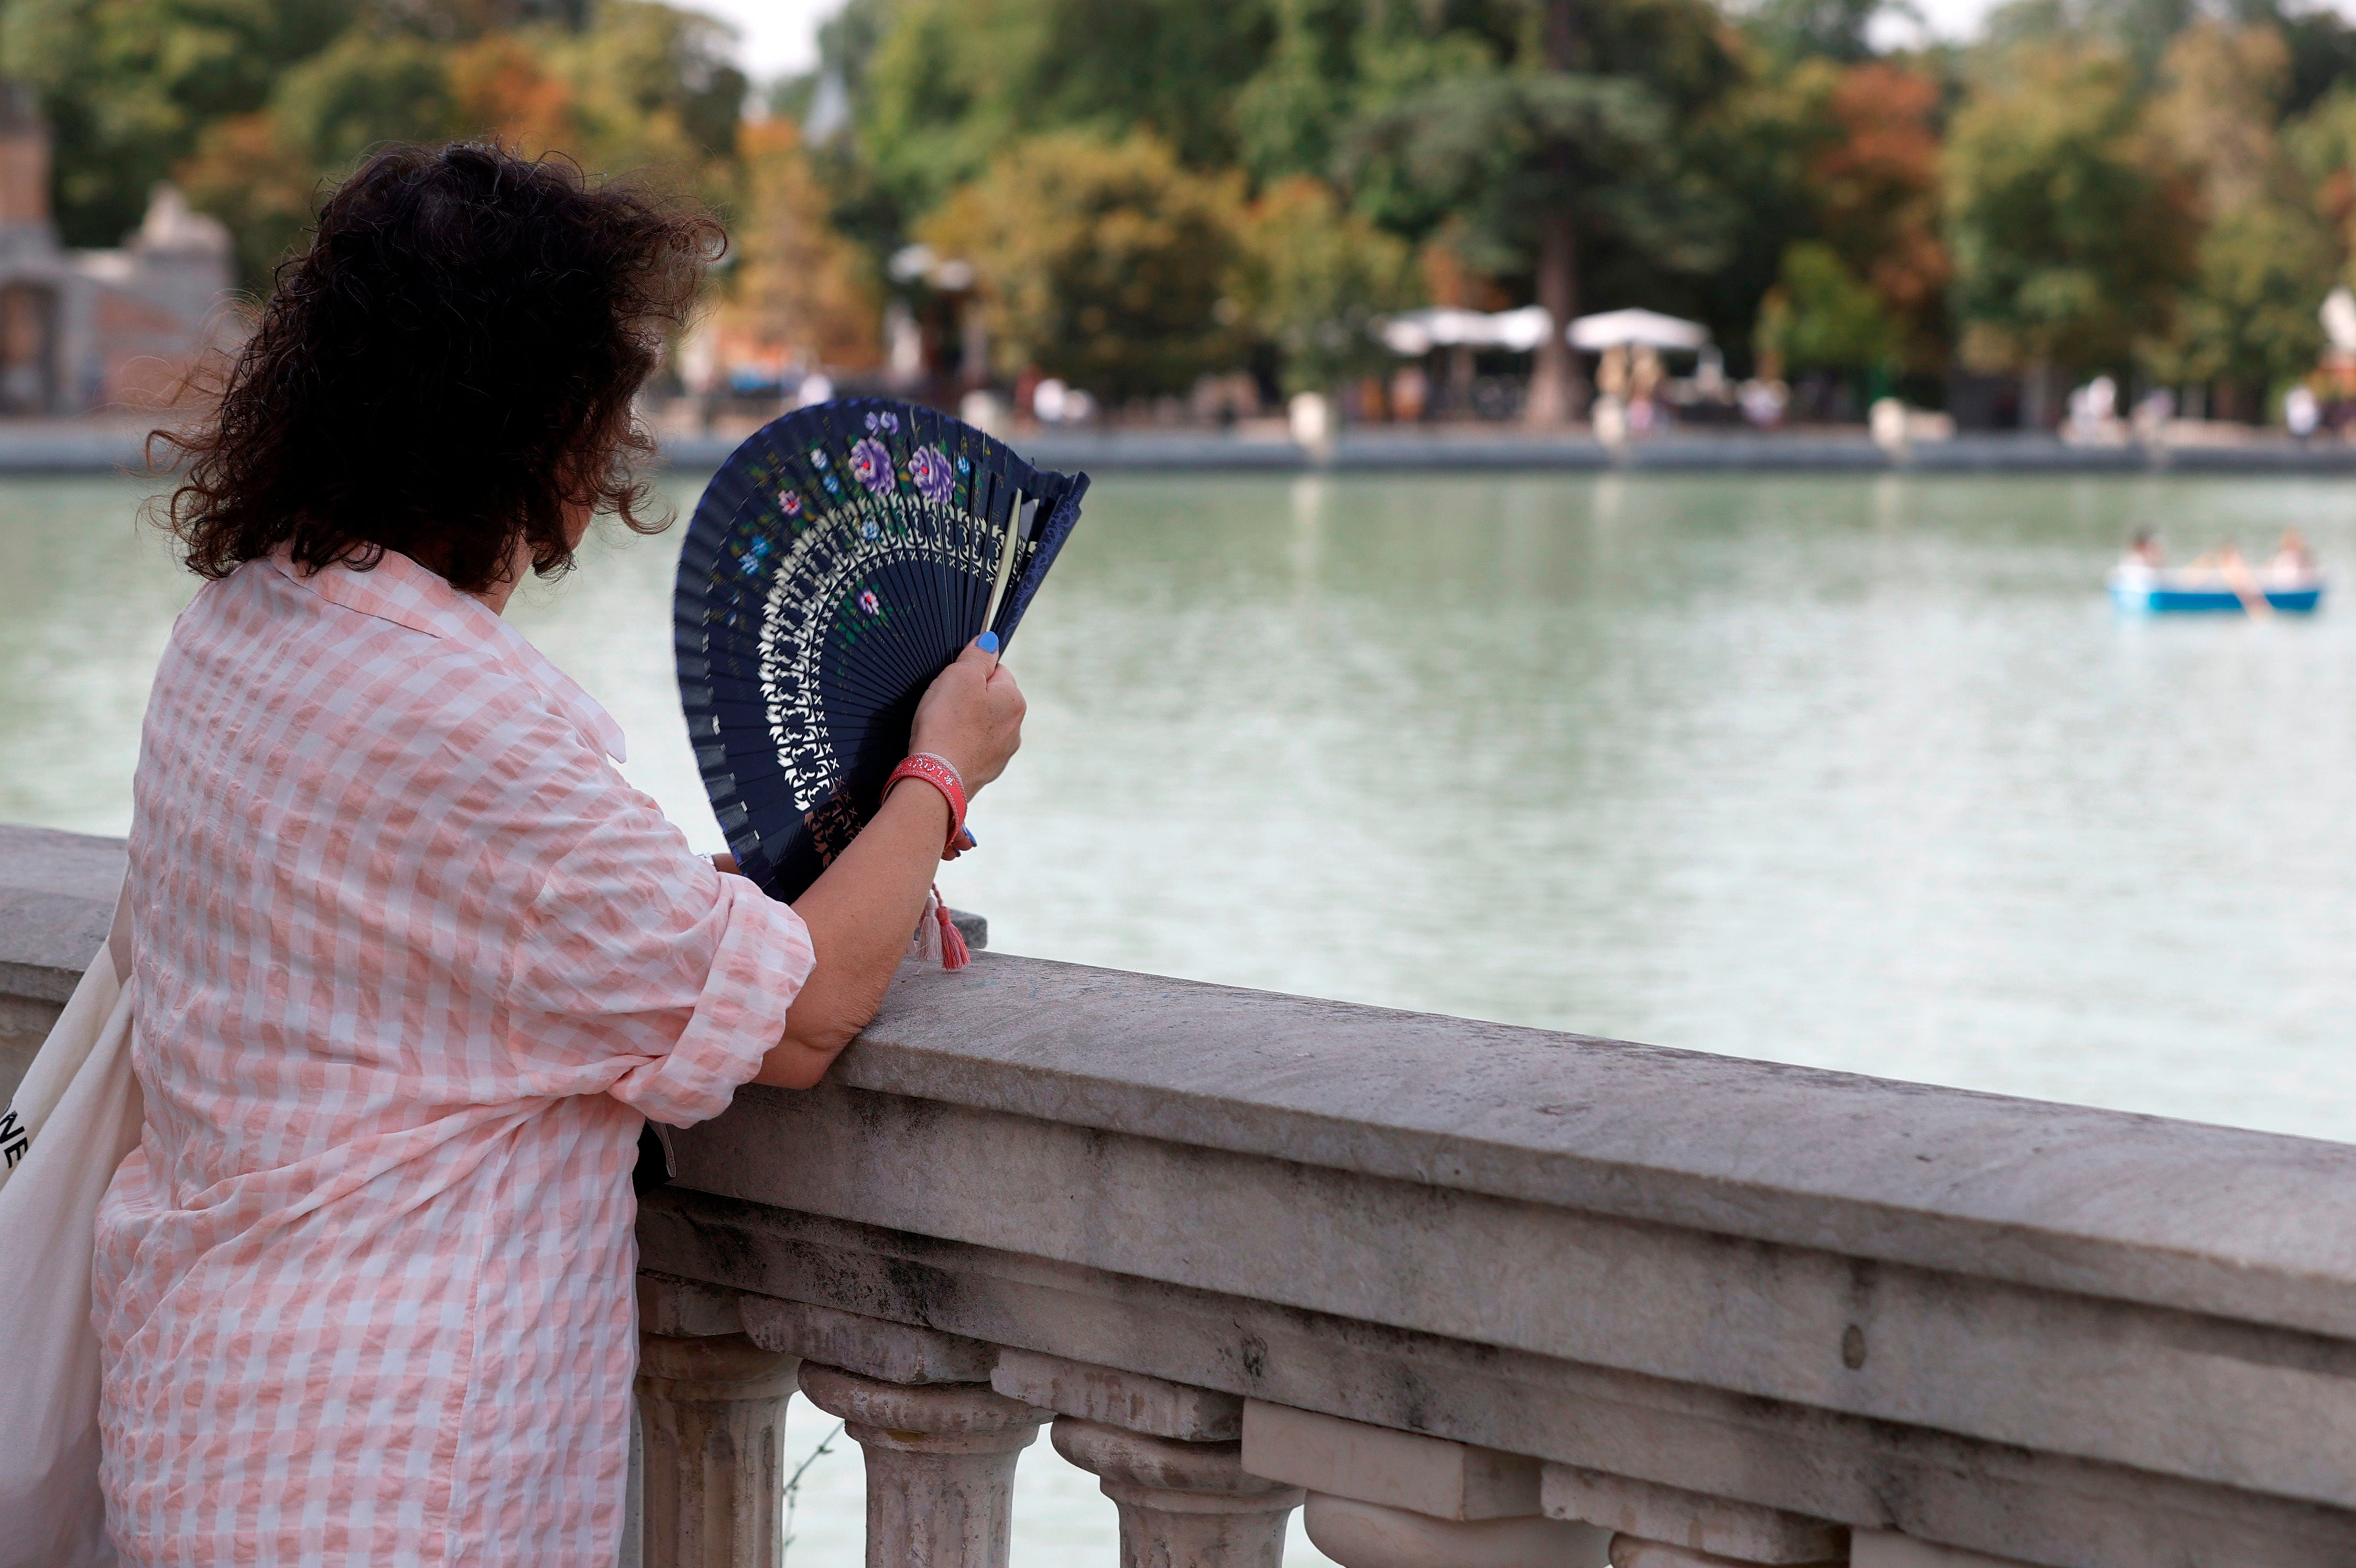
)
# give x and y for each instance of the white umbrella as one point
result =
(2339, 319)
(1421, 332)
(1636, 329)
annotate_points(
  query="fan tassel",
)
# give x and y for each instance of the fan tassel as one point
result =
(955, 954)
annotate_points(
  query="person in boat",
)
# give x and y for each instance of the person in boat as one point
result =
(415, 964)
(2145, 552)
(2223, 561)
(2293, 562)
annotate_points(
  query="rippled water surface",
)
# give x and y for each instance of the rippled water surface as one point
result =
(1856, 772)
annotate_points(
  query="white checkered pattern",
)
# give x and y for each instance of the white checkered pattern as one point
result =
(413, 962)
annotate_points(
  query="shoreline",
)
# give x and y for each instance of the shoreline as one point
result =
(68, 448)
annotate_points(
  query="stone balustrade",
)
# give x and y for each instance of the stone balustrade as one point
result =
(1470, 1296)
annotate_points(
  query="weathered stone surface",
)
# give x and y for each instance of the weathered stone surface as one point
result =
(1650, 1512)
(57, 893)
(2006, 1501)
(712, 1420)
(1368, 1535)
(1381, 1465)
(1130, 1400)
(2085, 1375)
(1881, 1549)
(1183, 1505)
(870, 1347)
(2210, 1219)
(682, 1309)
(940, 1465)
(1635, 1551)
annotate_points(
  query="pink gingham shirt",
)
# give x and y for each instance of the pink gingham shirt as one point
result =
(413, 964)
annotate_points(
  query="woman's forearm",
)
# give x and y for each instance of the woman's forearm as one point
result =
(861, 912)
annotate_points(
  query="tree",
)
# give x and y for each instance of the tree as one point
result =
(2248, 320)
(1820, 315)
(2322, 145)
(800, 289)
(2069, 227)
(1875, 188)
(951, 84)
(1537, 148)
(1105, 263)
(645, 86)
(130, 87)
(2266, 258)
(1316, 277)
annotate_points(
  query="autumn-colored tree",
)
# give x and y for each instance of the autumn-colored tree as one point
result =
(1876, 191)
(643, 87)
(1105, 263)
(1315, 280)
(801, 293)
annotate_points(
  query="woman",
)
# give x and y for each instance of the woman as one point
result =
(414, 963)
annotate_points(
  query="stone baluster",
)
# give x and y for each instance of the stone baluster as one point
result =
(712, 1408)
(1168, 1455)
(1654, 1526)
(1381, 1499)
(940, 1444)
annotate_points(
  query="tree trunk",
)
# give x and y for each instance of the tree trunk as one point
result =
(1557, 388)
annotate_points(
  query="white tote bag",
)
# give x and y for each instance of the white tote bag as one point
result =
(74, 1118)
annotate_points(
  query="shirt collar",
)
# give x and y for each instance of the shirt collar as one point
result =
(399, 590)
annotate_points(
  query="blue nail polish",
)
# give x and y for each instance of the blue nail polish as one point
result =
(987, 643)
(971, 839)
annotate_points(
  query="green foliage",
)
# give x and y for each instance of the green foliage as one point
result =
(1826, 29)
(1822, 317)
(2069, 232)
(1315, 279)
(2249, 316)
(951, 84)
(642, 86)
(1105, 263)
(129, 86)
(361, 90)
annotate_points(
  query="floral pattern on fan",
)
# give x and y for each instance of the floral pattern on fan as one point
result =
(841, 557)
(928, 471)
(871, 465)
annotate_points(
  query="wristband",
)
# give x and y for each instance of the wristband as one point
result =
(937, 772)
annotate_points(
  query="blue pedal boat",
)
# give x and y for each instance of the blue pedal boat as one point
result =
(2169, 593)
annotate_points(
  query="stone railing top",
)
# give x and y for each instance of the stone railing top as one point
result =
(2175, 1213)
(56, 893)
(2209, 1219)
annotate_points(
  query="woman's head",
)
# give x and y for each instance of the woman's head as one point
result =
(446, 371)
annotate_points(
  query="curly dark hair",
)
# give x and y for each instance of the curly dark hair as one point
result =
(446, 370)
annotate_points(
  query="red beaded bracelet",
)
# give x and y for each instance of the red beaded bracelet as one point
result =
(936, 772)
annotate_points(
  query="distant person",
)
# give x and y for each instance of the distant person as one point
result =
(2218, 561)
(415, 964)
(2301, 412)
(2293, 562)
(2143, 552)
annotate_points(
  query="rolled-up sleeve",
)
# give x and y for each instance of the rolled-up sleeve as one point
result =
(642, 972)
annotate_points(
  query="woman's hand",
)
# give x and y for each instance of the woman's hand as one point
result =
(863, 907)
(971, 715)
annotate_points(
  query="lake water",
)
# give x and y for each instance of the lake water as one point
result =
(1861, 773)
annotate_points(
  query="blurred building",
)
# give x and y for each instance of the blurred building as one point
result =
(82, 330)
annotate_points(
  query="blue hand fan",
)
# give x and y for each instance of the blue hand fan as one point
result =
(839, 559)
